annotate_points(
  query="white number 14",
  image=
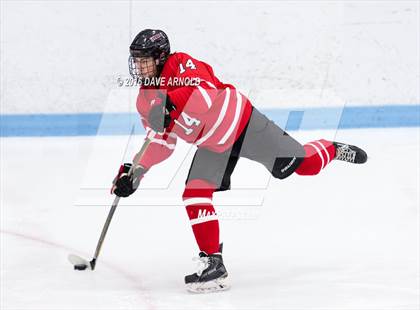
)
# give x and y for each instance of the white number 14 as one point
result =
(188, 64)
(189, 121)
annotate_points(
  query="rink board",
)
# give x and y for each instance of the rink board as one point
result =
(88, 124)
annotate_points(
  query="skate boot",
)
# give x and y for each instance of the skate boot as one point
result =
(349, 153)
(211, 275)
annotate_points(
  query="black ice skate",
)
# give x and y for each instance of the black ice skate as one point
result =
(211, 275)
(349, 153)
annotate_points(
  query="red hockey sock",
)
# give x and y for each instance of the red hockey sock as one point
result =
(318, 154)
(197, 198)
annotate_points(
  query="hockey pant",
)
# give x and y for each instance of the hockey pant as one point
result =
(262, 141)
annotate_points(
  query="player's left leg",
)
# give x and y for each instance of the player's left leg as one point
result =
(211, 274)
(209, 172)
(198, 201)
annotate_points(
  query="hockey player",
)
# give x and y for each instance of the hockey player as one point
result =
(224, 126)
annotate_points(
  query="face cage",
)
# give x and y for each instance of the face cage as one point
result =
(135, 71)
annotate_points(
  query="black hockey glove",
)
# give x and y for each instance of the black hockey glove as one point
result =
(159, 116)
(123, 184)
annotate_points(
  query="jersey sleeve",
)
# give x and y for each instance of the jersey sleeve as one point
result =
(193, 99)
(160, 148)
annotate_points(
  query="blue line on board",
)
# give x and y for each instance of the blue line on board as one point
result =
(90, 124)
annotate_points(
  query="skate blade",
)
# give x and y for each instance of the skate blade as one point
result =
(213, 286)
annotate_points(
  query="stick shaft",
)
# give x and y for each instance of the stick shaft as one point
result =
(106, 226)
(114, 206)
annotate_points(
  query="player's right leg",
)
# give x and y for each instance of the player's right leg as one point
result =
(349, 153)
(318, 154)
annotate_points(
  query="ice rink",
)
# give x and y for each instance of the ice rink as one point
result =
(345, 239)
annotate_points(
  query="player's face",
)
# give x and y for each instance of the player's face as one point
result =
(146, 66)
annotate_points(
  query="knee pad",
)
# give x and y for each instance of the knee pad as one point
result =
(283, 167)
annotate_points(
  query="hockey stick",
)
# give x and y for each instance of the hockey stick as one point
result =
(80, 263)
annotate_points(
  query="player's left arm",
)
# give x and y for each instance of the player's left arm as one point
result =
(160, 146)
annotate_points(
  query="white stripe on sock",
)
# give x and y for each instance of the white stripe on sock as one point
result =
(197, 200)
(326, 152)
(319, 154)
(204, 219)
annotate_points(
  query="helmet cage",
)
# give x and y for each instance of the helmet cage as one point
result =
(132, 68)
(138, 71)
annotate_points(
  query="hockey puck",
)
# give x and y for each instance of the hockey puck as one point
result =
(80, 267)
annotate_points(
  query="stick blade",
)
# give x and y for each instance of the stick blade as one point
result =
(78, 262)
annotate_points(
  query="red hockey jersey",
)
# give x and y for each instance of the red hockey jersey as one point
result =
(209, 113)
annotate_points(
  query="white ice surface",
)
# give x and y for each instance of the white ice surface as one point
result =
(346, 239)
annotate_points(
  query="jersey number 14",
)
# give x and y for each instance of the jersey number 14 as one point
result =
(188, 64)
(189, 122)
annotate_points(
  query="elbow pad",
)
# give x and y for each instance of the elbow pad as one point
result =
(159, 116)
